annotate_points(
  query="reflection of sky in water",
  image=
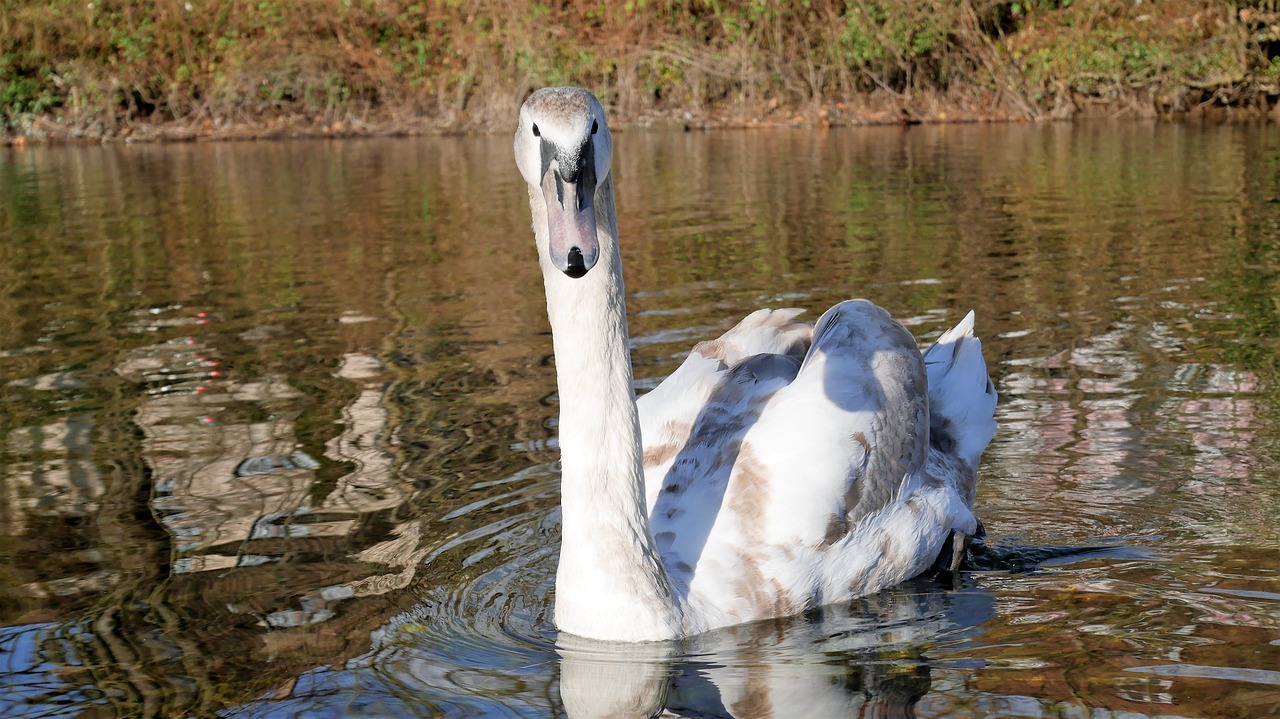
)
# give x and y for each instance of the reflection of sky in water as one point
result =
(288, 411)
(32, 682)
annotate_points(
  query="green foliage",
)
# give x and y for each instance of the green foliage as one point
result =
(1272, 72)
(1022, 8)
(1128, 51)
(23, 96)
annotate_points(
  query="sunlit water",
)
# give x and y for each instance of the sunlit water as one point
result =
(277, 421)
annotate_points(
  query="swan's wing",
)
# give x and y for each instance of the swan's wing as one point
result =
(848, 435)
(718, 379)
(787, 479)
(775, 485)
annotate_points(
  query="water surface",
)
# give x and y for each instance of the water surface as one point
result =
(277, 421)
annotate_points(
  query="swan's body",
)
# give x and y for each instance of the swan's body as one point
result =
(779, 468)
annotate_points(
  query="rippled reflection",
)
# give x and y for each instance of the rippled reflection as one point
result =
(278, 421)
(867, 657)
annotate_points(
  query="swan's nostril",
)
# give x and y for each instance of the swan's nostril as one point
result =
(576, 267)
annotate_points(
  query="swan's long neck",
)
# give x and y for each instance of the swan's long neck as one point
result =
(611, 583)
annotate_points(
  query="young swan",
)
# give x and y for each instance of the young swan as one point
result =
(781, 467)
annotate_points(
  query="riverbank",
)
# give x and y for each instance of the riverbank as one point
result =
(140, 71)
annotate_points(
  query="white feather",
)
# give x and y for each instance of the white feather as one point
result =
(960, 391)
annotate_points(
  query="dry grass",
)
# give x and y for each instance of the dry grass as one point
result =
(106, 68)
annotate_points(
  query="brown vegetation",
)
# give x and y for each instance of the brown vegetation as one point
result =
(113, 68)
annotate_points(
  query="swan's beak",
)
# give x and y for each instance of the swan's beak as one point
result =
(571, 216)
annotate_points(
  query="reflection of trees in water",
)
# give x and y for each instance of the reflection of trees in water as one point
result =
(58, 478)
(238, 551)
(230, 549)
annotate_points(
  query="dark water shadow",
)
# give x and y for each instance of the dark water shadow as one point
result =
(1014, 558)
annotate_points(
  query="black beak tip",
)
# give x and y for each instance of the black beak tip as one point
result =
(576, 266)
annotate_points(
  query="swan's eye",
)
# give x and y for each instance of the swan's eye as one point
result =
(595, 127)
(535, 130)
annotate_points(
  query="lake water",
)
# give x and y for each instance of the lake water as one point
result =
(277, 421)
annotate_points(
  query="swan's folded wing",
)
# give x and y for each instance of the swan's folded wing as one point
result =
(845, 438)
(713, 388)
(808, 461)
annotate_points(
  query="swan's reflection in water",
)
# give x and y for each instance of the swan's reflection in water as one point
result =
(868, 658)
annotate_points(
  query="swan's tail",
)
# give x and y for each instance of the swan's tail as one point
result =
(962, 400)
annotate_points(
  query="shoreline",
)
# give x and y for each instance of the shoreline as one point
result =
(865, 111)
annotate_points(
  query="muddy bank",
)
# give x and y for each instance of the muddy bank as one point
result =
(863, 111)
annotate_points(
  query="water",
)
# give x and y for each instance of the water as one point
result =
(278, 421)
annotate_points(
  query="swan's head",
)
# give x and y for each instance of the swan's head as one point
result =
(563, 148)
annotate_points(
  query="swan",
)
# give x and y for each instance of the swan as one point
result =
(781, 467)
